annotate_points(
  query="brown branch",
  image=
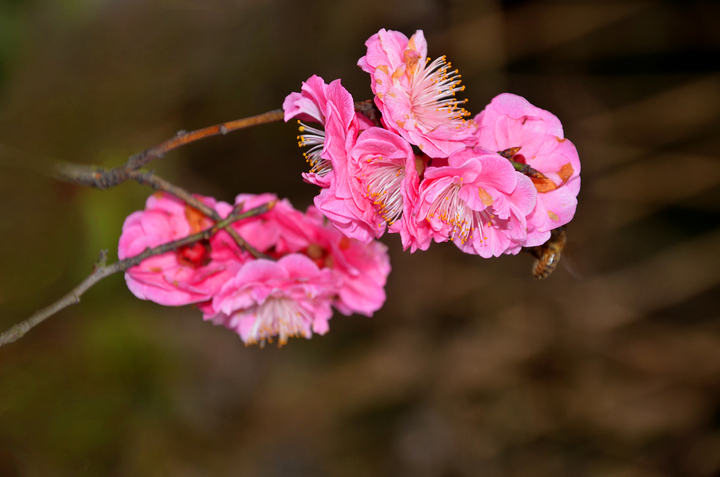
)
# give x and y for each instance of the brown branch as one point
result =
(100, 271)
(93, 176)
(102, 178)
(370, 111)
(150, 179)
(139, 160)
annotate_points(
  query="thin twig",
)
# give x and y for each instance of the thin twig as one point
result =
(150, 179)
(139, 160)
(93, 176)
(370, 111)
(100, 271)
(103, 178)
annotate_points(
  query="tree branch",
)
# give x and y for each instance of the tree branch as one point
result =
(139, 160)
(150, 179)
(101, 270)
(93, 176)
(102, 178)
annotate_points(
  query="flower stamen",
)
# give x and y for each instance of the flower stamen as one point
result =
(432, 94)
(281, 317)
(455, 212)
(315, 140)
(383, 182)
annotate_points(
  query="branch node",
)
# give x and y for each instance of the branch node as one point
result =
(102, 260)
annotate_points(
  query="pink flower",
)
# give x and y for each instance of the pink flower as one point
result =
(387, 171)
(266, 232)
(332, 106)
(287, 298)
(417, 98)
(369, 192)
(363, 178)
(479, 202)
(189, 275)
(361, 268)
(510, 121)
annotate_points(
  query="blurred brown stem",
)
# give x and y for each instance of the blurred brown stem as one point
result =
(101, 270)
(93, 176)
(106, 178)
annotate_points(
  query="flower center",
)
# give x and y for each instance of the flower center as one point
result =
(279, 317)
(432, 94)
(453, 211)
(383, 181)
(320, 255)
(194, 255)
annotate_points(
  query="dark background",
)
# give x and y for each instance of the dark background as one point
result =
(611, 367)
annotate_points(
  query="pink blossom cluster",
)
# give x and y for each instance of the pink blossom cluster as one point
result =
(493, 184)
(312, 267)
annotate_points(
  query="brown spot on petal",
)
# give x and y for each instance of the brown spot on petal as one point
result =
(553, 216)
(543, 185)
(315, 251)
(560, 139)
(485, 197)
(329, 262)
(378, 81)
(419, 166)
(411, 58)
(566, 172)
(155, 269)
(401, 124)
(197, 220)
(383, 68)
(411, 43)
(317, 254)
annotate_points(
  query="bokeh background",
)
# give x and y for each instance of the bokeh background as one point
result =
(611, 367)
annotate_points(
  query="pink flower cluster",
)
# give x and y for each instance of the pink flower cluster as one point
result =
(314, 267)
(492, 184)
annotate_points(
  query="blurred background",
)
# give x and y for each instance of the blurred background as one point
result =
(611, 367)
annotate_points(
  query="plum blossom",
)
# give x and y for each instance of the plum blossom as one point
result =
(415, 96)
(371, 194)
(190, 274)
(360, 268)
(333, 108)
(288, 298)
(389, 174)
(348, 274)
(340, 199)
(478, 202)
(533, 136)
(267, 232)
